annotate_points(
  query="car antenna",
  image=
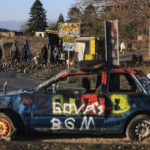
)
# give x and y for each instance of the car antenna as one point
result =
(4, 87)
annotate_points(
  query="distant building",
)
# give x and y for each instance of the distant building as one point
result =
(40, 34)
(141, 37)
(10, 33)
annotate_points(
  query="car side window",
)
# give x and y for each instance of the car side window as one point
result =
(86, 83)
(121, 82)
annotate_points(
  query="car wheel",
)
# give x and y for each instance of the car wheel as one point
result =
(6, 127)
(138, 128)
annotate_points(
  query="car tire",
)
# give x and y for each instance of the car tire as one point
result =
(138, 128)
(7, 128)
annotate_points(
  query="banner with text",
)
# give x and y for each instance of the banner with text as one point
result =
(69, 29)
(68, 44)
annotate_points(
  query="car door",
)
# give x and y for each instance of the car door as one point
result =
(121, 95)
(75, 108)
(26, 108)
(42, 111)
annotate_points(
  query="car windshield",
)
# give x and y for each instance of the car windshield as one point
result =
(145, 81)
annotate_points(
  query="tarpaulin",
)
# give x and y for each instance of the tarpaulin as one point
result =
(27, 47)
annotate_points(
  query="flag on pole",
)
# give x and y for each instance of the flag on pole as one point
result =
(112, 43)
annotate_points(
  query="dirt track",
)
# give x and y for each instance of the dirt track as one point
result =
(74, 142)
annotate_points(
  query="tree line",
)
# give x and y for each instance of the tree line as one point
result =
(132, 15)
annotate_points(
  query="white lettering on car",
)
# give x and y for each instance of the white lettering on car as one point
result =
(68, 108)
(69, 123)
(56, 124)
(86, 123)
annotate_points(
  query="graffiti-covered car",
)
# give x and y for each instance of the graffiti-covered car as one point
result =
(101, 101)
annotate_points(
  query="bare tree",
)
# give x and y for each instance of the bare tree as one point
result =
(133, 15)
(74, 14)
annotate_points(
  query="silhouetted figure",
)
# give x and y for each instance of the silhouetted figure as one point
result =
(14, 53)
(0, 52)
(140, 59)
(122, 46)
(44, 54)
(129, 45)
(27, 53)
(86, 84)
(23, 55)
(134, 59)
(56, 54)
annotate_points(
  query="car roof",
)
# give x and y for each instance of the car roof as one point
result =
(76, 71)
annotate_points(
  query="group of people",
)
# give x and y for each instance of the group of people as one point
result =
(47, 55)
(43, 57)
(122, 46)
(19, 56)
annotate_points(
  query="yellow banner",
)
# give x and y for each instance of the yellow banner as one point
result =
(69, 29)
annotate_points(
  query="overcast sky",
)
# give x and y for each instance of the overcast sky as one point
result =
(14, 12)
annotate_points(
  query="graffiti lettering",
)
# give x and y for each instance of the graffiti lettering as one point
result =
(59, 99)
(77, 111)
(69, 123)
(56, 108)
(86, 123)
(30, 100)
(94, 105)
(120, 103)
(42, 105)
(94, 108)
(90, 104)
(56, 124)
(27, 99)
(67, 108)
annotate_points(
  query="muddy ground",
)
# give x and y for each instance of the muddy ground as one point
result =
(74, 142)
(62, 141)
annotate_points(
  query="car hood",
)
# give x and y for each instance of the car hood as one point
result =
(16, 92)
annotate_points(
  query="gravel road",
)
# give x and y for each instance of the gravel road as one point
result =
(16, 81)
